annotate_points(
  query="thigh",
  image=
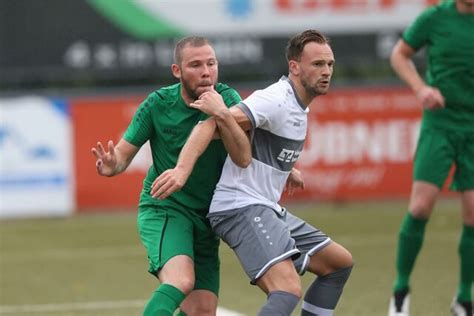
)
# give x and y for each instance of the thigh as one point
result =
(309, 240)
(206, 257)
(330, 259)
(434, 156)
(164, 233)
(257, 235)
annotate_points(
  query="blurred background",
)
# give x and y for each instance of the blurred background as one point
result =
(73, 72)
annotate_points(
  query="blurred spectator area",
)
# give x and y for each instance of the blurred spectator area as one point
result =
(63, 44)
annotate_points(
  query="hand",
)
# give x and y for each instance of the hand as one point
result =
(430, 97)
(294, 181)
(170, 181)
(210, 102)
(106, 161)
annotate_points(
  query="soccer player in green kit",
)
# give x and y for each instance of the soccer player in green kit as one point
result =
(181, 247)
(446, 137)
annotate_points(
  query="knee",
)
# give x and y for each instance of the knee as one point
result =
(201, 308)
(421, 207)
(294, 288)
(185, 284)
(347, 261)
(289, 283)
(200, 302)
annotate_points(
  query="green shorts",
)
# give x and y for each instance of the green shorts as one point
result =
(438, 150)
(169, 232)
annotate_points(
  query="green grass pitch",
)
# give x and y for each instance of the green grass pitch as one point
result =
(95, 265)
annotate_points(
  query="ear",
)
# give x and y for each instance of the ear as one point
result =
(176, 71)
(294, 67)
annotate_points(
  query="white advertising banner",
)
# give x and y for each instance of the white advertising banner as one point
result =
(281, 17)
(36, 170)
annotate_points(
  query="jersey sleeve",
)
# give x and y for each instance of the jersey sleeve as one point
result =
(140, 128)
(230, 97)
(260, 108)
(417, 34)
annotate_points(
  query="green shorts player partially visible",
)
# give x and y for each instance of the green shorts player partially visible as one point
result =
(446, 137)
(181, 247)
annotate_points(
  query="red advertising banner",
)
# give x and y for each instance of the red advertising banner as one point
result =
(360, 145)
(103, 119)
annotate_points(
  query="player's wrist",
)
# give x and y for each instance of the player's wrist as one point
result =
(223, 114)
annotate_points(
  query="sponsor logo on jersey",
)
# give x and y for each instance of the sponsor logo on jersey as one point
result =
(288, 155)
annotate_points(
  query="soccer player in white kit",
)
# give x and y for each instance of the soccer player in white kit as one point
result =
(272, 244)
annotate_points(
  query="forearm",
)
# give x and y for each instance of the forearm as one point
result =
(234, 138)
(403, 65)
(123, 153)
(122, 162)
(196, 144)
(407, 72)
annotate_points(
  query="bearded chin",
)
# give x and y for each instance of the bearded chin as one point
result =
(192, 94)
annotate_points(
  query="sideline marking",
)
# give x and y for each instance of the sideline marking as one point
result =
(84, 306)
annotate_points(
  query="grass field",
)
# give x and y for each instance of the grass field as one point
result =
(95, 265)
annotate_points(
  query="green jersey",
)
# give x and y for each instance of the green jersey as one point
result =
(165, 120)
(449, 37)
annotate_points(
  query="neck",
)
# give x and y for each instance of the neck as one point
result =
(187, 100)
(466, 8)
(300, 91)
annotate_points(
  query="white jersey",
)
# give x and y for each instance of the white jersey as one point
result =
(279, 124)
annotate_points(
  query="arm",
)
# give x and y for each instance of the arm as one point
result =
(234, 138)
(173, 180)
(294, 181)
(402, 64)
(116, 160)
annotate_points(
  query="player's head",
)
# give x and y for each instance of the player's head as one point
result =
(467, 6)
(310, 62)
(195, 65)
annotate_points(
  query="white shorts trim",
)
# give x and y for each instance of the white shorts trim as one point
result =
(311, 252)
(275, 260)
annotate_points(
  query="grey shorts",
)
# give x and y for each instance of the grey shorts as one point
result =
(260, 238)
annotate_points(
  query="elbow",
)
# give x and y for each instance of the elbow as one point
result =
(243, 161)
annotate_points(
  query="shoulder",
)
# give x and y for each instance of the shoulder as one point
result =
(266, 98)
(162, 98)
(230, 95)
(165, 95)
(433, 12)
(277, 91)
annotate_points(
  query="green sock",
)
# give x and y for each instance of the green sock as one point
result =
(466, 253)
(410, 240)
(164, 301)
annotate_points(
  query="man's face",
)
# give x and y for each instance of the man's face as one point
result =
(198, 71)
(315, 68)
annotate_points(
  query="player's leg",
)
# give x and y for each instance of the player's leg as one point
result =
(167, 237)
(464, 182)
(202, 301)
(412, 230)
(433, 159)
(282, 285)
(262, 242)
(462, 304)
(199, 302)
(331, 262)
